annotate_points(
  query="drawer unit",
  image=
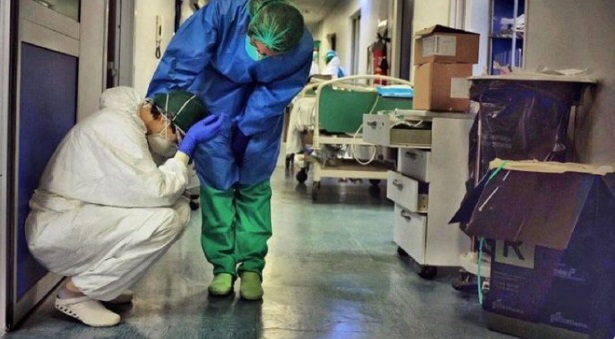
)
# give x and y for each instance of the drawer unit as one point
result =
(414, 163)
(384, 129)
(410, 233)
(428, 183)
(407, 192)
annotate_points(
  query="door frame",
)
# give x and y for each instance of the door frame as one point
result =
(44, 28)
(5, 62)
(120, 43)
(355, 52)
(402, 41)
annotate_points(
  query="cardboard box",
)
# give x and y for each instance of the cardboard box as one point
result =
(525, 329)
(442, 87)
(554, 257)
(445, 45)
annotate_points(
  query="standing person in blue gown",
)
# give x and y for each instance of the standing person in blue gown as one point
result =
(246, 59)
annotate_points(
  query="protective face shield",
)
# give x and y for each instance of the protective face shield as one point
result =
(161, 145)
(252, 51)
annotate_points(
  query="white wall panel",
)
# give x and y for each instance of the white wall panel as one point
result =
(340, 23)
(477, 20)
(4, 113)
(579, 34)
(145, 39)
(92, 56)
(428, 13)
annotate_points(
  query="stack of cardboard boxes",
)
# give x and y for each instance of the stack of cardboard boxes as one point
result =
(444, 57)
(553, 263)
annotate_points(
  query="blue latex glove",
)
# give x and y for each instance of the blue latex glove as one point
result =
(202, 131)
(239, 143)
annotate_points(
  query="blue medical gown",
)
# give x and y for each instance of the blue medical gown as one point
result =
(207, 56)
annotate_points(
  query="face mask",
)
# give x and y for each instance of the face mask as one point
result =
(253, 51)
(161, 145)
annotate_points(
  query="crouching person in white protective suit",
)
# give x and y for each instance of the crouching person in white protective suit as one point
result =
(104, 212)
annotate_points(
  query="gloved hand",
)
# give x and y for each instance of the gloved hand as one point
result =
(202, 131)
(239, 143)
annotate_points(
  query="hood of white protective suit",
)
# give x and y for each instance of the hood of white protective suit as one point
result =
(121, 98)
(335, 62)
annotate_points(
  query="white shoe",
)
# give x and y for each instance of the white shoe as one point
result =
(91, 312)
(124, 298)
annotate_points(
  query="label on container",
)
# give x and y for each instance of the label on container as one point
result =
(445, 45)
(515, 253)
(460, 88)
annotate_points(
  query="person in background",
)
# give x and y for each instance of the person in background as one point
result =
(104, 212)
(247, 59)
(314, 69)
(333, 67)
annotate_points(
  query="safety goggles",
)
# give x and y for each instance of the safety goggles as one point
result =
(171, 116)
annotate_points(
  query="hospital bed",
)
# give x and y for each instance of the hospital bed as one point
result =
(338, 148)
(300, 128)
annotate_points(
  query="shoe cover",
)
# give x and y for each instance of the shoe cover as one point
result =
(89, 311)
(251, 288)
(221, 285)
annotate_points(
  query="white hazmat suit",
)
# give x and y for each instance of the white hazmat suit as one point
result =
(104, 212)
(301, 118)
(334, 68)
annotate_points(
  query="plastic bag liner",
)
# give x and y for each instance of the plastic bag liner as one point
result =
(520, 120)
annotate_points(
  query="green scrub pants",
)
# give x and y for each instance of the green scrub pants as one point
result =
(236, 227)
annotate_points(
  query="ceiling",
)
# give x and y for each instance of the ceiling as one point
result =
(315, 10)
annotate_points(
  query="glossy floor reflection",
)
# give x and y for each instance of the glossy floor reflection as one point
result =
(332, 272)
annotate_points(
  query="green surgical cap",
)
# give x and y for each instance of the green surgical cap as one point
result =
(330, 55)
(183, 108)
(276, 23)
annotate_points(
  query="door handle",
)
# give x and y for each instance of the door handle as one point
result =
(406, 215)
(411, 155)
(398, 184)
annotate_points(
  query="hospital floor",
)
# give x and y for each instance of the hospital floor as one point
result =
(332, 272)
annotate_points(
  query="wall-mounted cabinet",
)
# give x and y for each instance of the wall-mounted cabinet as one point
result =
(507, 33)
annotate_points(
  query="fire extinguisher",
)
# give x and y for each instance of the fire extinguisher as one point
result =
(378, 56)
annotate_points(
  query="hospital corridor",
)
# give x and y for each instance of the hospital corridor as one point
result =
(307, 169)
(332, 272)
